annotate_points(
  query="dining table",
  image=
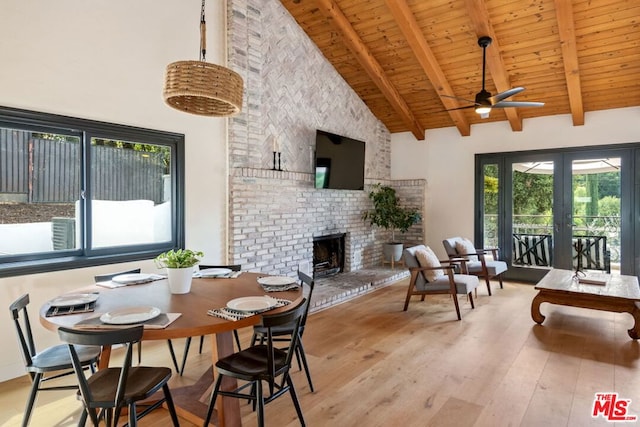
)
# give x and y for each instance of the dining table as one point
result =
(205, 294)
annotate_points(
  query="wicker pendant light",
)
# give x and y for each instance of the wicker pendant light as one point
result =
(198, 87)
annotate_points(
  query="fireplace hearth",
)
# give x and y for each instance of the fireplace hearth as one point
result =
(328, 255)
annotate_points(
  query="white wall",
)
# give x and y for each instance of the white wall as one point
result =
(446, 160)
(105, 60)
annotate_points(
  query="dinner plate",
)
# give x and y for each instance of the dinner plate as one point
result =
(214, 272)
(73, 299)
(252, 303)
(132, 278)
(130, 315)
(276, 280)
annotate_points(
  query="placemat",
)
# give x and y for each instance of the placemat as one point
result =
(160, 322)
(72, 309)
(271, 288)
(231, 314)
(111, 284)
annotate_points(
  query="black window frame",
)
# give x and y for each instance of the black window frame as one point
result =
(34, 121)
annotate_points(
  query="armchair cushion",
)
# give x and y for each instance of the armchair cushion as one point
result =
(465, 283)
(465, 246)
(493, 267)
(427, 258)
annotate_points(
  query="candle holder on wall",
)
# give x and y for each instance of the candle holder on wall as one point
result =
(277, 161)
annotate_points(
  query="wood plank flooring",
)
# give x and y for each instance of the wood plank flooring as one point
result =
(375, 365)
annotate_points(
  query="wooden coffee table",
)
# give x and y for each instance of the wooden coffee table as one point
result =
(619, 294)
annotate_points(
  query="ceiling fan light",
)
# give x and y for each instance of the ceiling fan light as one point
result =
(483, 109)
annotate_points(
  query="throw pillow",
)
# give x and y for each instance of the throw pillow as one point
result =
(427, 258)
(464, 247)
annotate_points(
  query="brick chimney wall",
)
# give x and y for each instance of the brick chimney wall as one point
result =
(291, 90)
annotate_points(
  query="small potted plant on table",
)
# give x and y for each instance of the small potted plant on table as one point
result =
(179, 264)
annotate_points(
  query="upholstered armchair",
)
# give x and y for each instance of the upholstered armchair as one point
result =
(429, 276)
(477, 262)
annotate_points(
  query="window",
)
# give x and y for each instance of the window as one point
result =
(77, 193)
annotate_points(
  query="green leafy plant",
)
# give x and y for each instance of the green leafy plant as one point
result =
(180, 258)
(387, 213)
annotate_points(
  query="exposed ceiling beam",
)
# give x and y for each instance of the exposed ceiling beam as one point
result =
(566, 29)
(372, 67)
(412, 33)
(479, 16)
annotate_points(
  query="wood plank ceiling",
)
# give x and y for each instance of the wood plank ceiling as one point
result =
(402, 56)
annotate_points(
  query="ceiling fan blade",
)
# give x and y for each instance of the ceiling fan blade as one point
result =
(506, 94)
(461, 108)
(457, 97)
(509, 104)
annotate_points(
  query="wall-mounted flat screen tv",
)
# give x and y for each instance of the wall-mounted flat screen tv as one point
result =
(339, 162)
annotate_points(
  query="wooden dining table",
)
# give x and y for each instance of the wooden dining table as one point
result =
(205, 294)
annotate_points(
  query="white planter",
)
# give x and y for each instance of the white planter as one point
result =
(392, 251)
(180, 279)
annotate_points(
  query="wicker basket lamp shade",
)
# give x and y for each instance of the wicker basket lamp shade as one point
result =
(199, 87)
(202, 88)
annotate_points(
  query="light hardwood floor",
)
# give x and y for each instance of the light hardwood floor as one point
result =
(375, 365)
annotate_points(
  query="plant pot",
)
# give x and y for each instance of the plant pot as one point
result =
(392, 251)
(180, 279)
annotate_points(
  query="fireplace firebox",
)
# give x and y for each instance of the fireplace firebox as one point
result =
(328, 255)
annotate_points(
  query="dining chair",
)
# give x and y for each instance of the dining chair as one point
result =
(109, 276)
(48, 364)
(262, 362)
(187, 344)
(106, 392)
(283, 333)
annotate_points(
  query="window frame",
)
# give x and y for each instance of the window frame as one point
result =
(85, 129)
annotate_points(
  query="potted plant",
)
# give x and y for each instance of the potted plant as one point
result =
(179, 264)
(388, 214)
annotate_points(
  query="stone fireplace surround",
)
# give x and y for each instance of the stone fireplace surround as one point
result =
(291, 91)
(276, 215)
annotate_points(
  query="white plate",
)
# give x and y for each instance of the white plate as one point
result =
(127, 316)
(214, 272)
(276, 280)
(252, 303)
(73, 299)
(132, 278)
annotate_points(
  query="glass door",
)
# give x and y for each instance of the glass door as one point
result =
(596, 214)
(531, 209)
(566, 209)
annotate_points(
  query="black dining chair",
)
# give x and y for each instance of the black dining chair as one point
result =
(262, 362)
(284, 332)
(187, 344)
(109, 390)
(107, 277)
(48, 364)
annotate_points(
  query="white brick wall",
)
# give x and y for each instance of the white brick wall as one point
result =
(290, 91)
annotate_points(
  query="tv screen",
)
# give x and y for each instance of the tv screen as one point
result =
(339, 162)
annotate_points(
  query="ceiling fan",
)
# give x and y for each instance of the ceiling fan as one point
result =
(484, 101)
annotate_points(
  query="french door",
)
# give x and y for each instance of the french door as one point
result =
(569, 209)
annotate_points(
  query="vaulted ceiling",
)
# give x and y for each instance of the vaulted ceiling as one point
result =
(405, 57)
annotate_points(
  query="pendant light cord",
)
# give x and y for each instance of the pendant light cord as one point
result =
(203, 35)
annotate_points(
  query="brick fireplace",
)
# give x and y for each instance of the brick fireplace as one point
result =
(328, 255)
